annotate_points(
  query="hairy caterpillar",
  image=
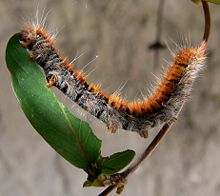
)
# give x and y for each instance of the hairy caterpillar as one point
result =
(117, 113)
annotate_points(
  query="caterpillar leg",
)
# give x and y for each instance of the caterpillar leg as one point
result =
(51, 83)
(143, 133)
(25, 44)
(113, 125)
(53, 76)
(112, 128)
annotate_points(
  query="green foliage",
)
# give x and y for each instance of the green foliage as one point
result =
(69, 136)
(116, 162)
(196, 1)
(211, 1)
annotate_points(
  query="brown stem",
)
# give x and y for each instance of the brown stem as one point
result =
(143, 156)
(207, 21)
(148, 151)
(108, 190)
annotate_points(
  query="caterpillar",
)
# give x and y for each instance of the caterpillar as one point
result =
(116, 112)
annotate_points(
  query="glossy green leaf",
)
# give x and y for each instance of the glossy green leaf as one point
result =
(108, 166)
(69, 136)
(117, 161)
(211, 1)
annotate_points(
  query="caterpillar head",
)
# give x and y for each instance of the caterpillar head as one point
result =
(27, 34)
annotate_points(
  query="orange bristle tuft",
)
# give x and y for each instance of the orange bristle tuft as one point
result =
(80, 76)
(95, 88)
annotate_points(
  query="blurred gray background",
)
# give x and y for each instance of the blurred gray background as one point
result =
(186, 163)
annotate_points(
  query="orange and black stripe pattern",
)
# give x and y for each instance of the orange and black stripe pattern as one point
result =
(116, 112)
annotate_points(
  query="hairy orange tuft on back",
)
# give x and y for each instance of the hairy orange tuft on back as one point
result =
(80, 76)
(184, 57)
(164, 90)
(95, 88)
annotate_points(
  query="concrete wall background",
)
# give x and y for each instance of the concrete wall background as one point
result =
(187, 161)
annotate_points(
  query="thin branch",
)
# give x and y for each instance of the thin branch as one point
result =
(143, 156)
(108, 190)
(207, 21)
(149, 150)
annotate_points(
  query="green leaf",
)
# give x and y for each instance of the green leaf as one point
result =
(70, 137)
(196, 1)
(108, 166)
(117, 161)
(211, 1)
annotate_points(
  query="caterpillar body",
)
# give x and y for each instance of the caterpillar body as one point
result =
(115, 112)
